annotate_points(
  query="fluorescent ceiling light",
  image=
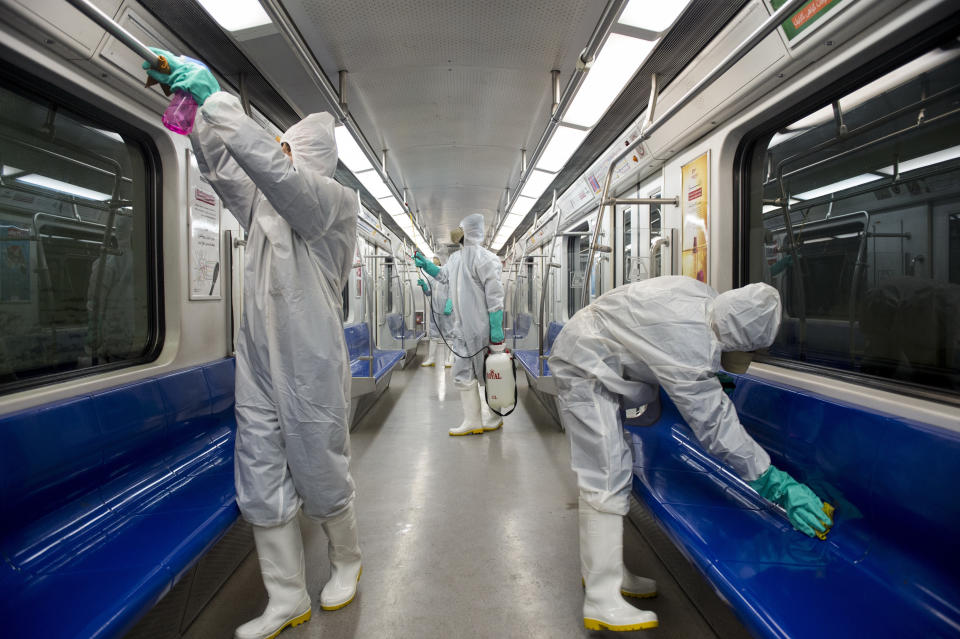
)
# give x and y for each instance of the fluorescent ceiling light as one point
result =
(930, 159)
(234, 15)
(537, 183)
(391, 206)
(655, 15)
(842, 185)
(63, 187)
(522, 205)
(371, 180)
(564, 142)
(10, 170)
(616, 63)
(349, 151)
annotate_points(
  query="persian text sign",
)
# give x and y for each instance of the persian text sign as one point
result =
(807, 15)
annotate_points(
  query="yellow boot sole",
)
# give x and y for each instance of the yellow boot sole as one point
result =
(349, 601)
(475, 431)
(296, 621)
(596, 624)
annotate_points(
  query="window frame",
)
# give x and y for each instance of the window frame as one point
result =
(855, 79)
(34, 88)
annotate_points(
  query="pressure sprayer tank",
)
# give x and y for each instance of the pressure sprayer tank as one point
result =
(501, 385)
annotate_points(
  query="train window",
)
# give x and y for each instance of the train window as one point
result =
(78, 285)
(345, 296)
(656, 230)
(578, 252)
(531, 293)
(627, 243)
(853, 216)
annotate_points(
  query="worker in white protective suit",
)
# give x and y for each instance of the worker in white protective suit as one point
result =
(292, 369)
(670, 333)
(439, 312)
(473, 274)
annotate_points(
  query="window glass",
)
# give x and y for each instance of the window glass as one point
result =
(578, 252)
(531, 292)
(853, 217)
(627, 243)
(656, 230)
(76, 287)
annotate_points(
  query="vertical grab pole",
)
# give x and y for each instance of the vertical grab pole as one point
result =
(548, 266)
(585, 295)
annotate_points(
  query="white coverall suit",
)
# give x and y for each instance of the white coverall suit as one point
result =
(293, 375)
(669, 332)
(473, 274)
(442, 327)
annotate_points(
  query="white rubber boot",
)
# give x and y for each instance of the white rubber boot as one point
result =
(472, 423)
(431, 353)
(601, 562)
(280, 551)
(345, 560)
(449, 358)
(636, 586)
(491, 421)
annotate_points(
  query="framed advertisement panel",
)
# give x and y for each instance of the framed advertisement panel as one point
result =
(695, 217)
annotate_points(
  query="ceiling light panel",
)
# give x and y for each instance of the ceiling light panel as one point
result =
(616, 63)
(234, 15)
(522, 205)
(371, 180)
(537, 183)
(349, 151)
(63, 187)
(655, 15)
(391, 206)
(564, 142)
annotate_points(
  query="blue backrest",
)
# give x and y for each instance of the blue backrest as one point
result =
(358, 340)
(889, 476)
(521, 325)
(553, 330)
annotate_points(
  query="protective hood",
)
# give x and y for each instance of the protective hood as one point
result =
(472, 226)
(746, 319)
(313, 144)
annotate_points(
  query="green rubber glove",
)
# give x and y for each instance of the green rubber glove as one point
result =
(185, 75)
(448, 307)
(729, 383)
(496, 327)
(424, 286)
(803, 507)
(422, 262)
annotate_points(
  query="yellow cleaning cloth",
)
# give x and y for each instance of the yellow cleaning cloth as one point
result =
(829, 510)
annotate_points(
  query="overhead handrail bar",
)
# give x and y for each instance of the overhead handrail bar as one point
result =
(761, 32)
(107, 23)
(548, 266)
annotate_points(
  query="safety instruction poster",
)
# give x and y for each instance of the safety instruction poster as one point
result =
(203, 209)
(694, 213)
(804, 19)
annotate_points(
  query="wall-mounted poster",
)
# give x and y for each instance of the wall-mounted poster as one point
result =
(14, 264)
(694, 213)
(203, 207)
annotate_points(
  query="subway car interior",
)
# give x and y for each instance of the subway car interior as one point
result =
(236, 336)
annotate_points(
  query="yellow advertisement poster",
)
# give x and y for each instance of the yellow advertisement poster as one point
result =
(694, 211)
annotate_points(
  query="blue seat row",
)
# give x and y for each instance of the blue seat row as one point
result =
(888, 568)
(358, 345)
(107, 499)
(529, 358)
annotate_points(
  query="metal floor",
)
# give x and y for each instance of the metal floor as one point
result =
(461, 536)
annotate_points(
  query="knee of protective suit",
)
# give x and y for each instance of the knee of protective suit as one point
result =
(613, 503)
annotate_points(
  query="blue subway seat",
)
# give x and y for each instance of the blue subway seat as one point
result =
(108, 499)
(358, 345)
(889, 566)
(399, 331)
(529, 358)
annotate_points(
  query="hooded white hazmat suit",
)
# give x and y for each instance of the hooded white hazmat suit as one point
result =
(666, 331)
(293, 375)
(473, 274)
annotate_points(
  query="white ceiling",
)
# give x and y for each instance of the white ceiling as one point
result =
(452, 88)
